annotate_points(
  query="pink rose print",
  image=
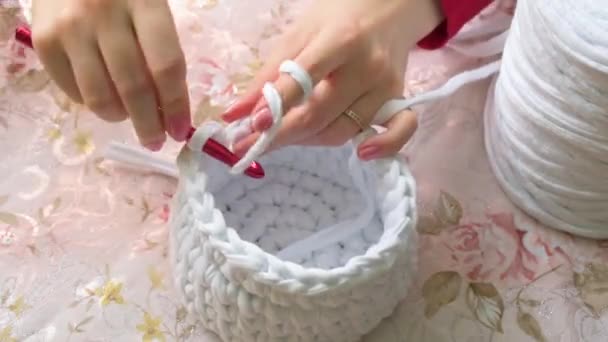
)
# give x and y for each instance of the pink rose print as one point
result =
(163, 215)
(466, 237)
(498, 248)
(488, 249)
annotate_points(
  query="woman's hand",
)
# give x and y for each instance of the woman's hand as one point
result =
(356, 53)
(121, 58)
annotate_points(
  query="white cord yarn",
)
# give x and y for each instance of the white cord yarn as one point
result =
(546, 117)
(308, 282)
(547, 143)
(547, 120)
(299, 255)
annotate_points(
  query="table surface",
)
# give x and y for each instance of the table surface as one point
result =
(83, 241)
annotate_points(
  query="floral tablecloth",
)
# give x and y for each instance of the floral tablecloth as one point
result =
(83, 241)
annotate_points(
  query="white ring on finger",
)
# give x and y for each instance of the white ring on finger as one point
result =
(301, 76)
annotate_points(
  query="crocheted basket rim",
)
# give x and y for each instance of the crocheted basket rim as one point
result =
(242, 259)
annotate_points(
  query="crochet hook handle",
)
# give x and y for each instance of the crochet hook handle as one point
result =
(212, 147)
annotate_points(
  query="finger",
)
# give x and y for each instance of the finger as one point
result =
(159, 42)
(50, 51)
(92, 77)
(289, 45)
(343, 128)
(326, 53)
(400, 129)
(329, 99)
(128, 71)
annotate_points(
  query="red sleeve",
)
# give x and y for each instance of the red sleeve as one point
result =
(457, 13)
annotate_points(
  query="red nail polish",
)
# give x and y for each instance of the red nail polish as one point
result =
(262, 119)
(231, 108)
(260, 104)
(154, 146)
(369, 152)
(179, 127)
(238, 109)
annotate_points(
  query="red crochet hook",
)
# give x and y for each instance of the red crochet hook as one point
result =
(212, 147)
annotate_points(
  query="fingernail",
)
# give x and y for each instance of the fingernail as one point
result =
(228, 114)
(155, 145)
(179, 127)
(235, 109)
(369, 152)
(230, 108)
(262, 119)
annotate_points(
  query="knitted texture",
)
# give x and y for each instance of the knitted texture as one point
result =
(227, 229)
(303, 254)
(300, 255)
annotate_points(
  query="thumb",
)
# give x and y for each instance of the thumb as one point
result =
(399, 130)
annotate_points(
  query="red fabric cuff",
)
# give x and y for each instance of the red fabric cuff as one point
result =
(457, 13)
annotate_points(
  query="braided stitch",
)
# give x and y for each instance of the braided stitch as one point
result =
(240, 248)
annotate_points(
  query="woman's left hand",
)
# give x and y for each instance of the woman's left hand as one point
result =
(356, 53)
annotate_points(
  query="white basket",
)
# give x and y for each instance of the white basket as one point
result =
(230, 236)
(265, 260)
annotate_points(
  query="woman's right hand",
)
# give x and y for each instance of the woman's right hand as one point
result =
(120, 58)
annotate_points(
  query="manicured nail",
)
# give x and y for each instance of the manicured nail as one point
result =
(262, 119)
(231, 108)
(369, 152)
(179, 127)
(229, 114)
(155, 145)
(236, 109)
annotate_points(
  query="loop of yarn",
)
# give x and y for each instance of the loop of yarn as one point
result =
(329, 235)
(204, 132)
(275, 104)
(299, 75)
(315, 238)
(242, 128)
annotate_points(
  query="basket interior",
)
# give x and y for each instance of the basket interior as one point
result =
(306, 190)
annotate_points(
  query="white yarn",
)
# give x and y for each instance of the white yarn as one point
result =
(275, 104)
(550, 163)
(273, 98)
(298, 255)
(547, 120)
(228, 271)
(397, 105)
(300, 75)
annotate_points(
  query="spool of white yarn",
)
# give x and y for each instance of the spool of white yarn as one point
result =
(547, 120)
(546, 117)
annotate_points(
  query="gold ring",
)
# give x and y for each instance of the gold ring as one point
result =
(356, 119)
